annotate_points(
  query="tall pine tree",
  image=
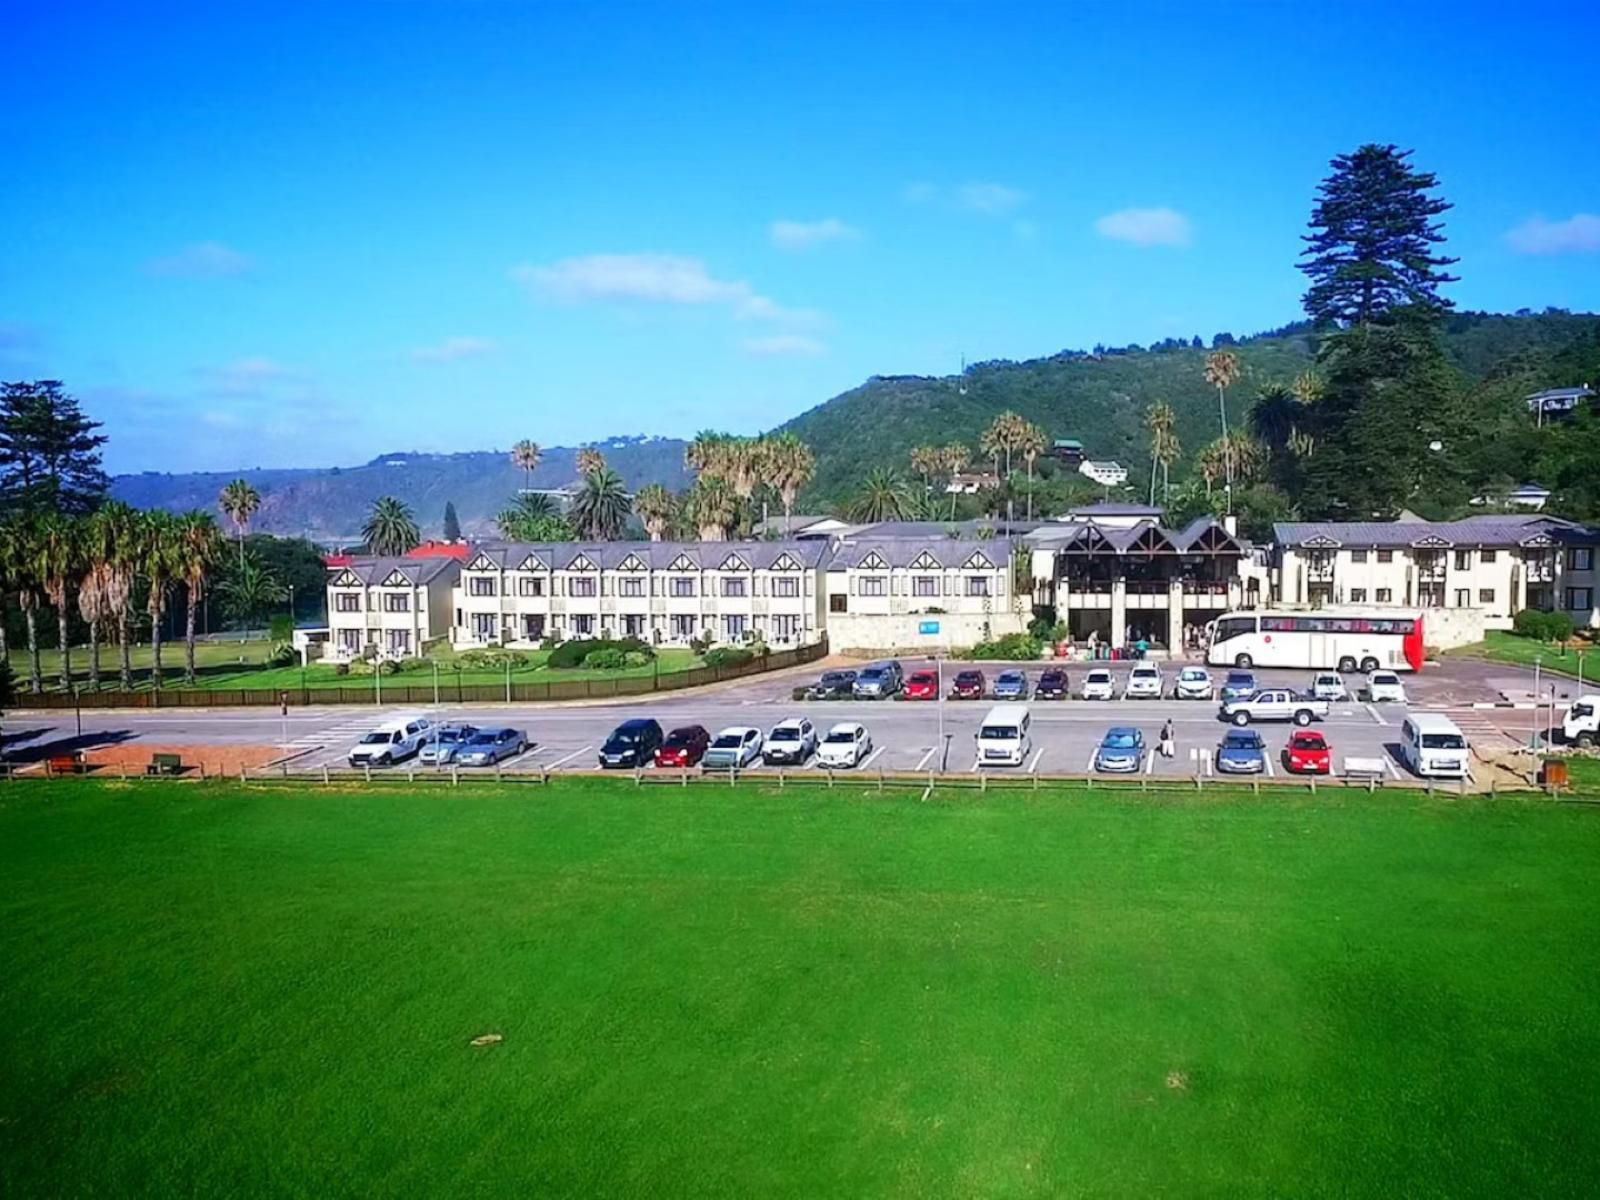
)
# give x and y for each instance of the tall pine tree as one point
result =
(1373, 245)
(452, 523)
(49, 451)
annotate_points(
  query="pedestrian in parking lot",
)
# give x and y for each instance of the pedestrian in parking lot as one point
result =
(1168, 746)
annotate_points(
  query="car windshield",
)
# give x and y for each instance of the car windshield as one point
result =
(968, 677)
(728, 741)
(922, 677)
(1242, 741)
(1121, 739)
(1581, 710)
(998, 733)
(784, 733)
(1309, 741)
(834, 677)
(1145, 671)
(1443, 741)
(455, 735)
(841, 735)
(1051, 677)
(1191, 674)
(1386, 680)
(375, 739)
(1099, 677)
(482, 739)
(871, 675)
(1238, 679)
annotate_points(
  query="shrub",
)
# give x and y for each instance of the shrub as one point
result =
(727, 656)
(636, 658)
(388, 667)
(1545, 626)
(341, 669)
(283, 655)
(1013, 647)
(800, 693)
(551, 641)
(281, 628)
(580, 652)
(608, 658)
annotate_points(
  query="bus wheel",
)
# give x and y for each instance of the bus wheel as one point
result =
(1347, 665)
(1302, 717)
(1369, 664)
(1243, 661)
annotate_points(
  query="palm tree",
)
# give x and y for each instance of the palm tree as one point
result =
(883, 497)
(657, 508)
(239, 502)
(10, 569)
(525, 508)
(740, 464)
(1275, 415)
(1234, 457)
(56, 559)
(925, 461)
(711, 507)
(1222, 371)
(198, 546)
(391, 529)
(112, 550)
(703, 456)
(956, 458)
(160, 562)
(251, 590)
(1031, 442)
(526, 455)
(92, 607)
(590, 461)
(793, 465)
(1162, 423)
(23, 539)
(601, 508)
(1307, 387)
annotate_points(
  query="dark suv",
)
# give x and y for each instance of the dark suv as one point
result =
(969, 685)
(631, 744)
(1052, 685)
(834, 685)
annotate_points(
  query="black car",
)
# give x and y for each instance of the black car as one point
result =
(1052, 685)
(631, 744)
(834, 685)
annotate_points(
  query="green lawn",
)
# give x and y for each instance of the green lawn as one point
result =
(753, 994)
(242, 665)
(1501, 646)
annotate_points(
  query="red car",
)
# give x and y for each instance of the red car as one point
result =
(969, 685)
(684, 747)
(1308, 753)
(922, 685)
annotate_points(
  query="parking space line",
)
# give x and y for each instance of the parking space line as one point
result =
(1149, 762)
(1089, 766)
(1037, 755)
(567, 758)
(976, 763)
(923, 761)
(1266, 761)
(1376, 715)
(1389, 762)
(871, 758)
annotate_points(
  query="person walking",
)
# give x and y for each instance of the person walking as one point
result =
(1168, 746)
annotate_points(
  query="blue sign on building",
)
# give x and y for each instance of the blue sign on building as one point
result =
(930, 627)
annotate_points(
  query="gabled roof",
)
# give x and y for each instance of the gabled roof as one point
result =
(365, 571)
(906, 552)
(643, 556)
(1203, 535)
(1490, 529)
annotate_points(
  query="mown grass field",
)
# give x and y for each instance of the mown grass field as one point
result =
(210, 990)
(1501, 646)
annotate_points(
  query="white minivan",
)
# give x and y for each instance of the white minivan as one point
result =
(1005, 737)
(1432, 745)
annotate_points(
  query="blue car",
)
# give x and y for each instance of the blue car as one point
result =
(1241, 752)
(1238, 685)
(1121, 750)
(1011, 685)
(447, 740)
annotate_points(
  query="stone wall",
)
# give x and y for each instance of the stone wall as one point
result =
(876, 634)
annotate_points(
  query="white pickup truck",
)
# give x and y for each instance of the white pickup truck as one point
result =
(1580, 725)
(1275, 704)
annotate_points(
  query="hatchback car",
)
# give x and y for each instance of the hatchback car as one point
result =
(1099, 685)
(631, 744)
(1239, 684)
(1011, 685)
(968, 685)
(1308, 753)
(1384, 687)
(684, 747)
(790, 743)
(922, 685)
(490, 746)
(845, 746)
(1121, 750)
(447, 739)
(1052, 685)
(1144, 683)
(1194, 683)
(1241, 752)
(1329, 686)
(879, 681)
(733, 748)
(834, 685)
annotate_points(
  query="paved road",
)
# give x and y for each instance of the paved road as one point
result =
(907, 736)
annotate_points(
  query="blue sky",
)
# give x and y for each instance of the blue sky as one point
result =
(307, 234)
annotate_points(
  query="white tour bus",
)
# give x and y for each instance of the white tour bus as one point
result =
(1431, 744)
(1005, 737)
(1319, 639)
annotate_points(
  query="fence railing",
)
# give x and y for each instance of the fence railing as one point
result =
(390, 690)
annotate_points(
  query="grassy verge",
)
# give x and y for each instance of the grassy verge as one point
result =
(223, 991)
(1501, 646)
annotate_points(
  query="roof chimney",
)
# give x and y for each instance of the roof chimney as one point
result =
(1231, 524)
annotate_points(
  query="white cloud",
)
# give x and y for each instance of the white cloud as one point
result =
(649, 279)
(1578, 234)
(246, 376)
(203, 260)
(803, 235)
(984, 199)
(454, 349)
(1145, 227)
(784, 344)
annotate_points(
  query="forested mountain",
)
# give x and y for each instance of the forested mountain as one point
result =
(1101, 398)
(330, 503)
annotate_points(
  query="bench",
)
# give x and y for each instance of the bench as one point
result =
(66, 764)
(1366, 770)
(165, 764)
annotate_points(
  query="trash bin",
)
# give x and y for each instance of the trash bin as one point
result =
(1554, 774)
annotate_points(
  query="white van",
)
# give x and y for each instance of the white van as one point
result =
(391, 742)
(1431, 745)
(1005, 737)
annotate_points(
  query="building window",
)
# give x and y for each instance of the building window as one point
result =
(581, 585)
(347, 602)
(397, 641)
(924, 585)
(396, 602)
(633, 625)
(1487, 556)
(1485, 595)
(1579, 559)
(785, 586)
(733, 585)
(1463, 560)
(630, 585)
(872, 585)
(1358, 595)
(1385, 595)
(350, 641)
(682, 585)
(1578, 599)
(531, 586)
(583, 623)
(1463, 597)
(483, 626)
(481, 585)
(838, 602)
(1385, 556)
(786, 627)
(532, 627)
(1358, 556)
(977, 585)
(733, 627)
(682, 626)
